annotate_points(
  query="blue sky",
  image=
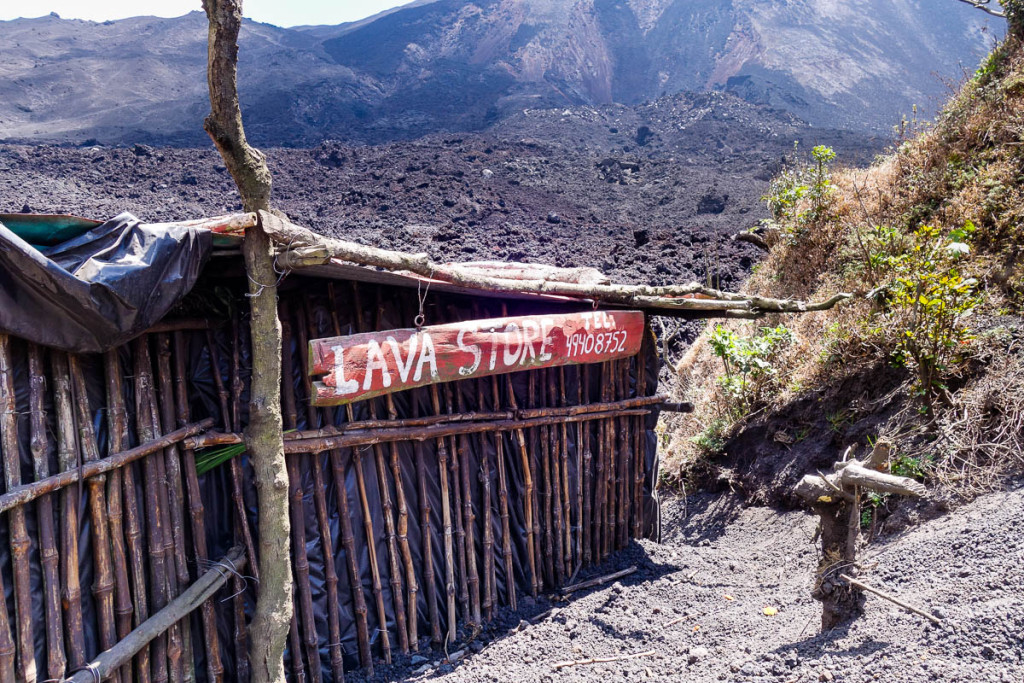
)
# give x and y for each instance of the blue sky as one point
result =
(286, 13)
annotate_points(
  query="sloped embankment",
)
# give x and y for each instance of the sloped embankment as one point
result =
(927, 355)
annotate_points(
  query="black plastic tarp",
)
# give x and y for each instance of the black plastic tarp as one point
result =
(101, 288)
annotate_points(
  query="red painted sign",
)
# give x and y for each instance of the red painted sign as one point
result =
(361, 366)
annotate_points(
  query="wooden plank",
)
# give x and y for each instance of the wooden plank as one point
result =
(362, 366)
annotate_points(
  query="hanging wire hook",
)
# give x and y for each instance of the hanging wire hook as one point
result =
(421, 316)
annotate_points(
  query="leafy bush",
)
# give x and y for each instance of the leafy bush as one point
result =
(799, 197)
(927, 301)
(711, 441)
(748, 363)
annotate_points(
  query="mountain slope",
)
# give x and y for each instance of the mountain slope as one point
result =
(451, 64)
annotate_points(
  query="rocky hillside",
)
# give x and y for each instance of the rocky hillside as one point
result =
(456, 65)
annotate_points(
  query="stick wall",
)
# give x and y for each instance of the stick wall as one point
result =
(416, 516)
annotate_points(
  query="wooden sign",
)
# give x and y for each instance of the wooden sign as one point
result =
(361, 366)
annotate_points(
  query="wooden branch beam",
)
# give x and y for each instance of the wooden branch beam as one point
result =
(855, 475)
(314, 442)
(303, 248)
(177, 609)
(26, 493)
(221, 439)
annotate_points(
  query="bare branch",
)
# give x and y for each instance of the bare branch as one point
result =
(985, 6)
(303, 248)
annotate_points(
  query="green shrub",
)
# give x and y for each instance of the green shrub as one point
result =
(748, 363)
(928, 299)
(799, 196)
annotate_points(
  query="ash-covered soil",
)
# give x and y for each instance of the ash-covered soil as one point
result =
(650, 193)
(698, 601)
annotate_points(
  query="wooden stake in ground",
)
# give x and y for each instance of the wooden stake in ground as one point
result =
(264, 440)
(836, 500)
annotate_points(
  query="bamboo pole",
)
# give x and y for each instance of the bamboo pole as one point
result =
(554, 454)
(446, 520)
(348, 542)
(103, 582)
(320, 505)
(613, 466)
(241, 522)
(348, 538)
(639, 448)
(548, 392)
(411, 585)
(566, 504)
(172, 459)
(20, 543)
(625, 487)
(67, 459)
(371, 540)
(460, 531)
(401, 431)
(296, 510)
(318, 444)
(154, 502)
(531, 399)
(201, 591)
(49, 558)
(528, 494)
(26, 493)
(214, 665)
(476, 416)
(485, 504)
(506, 536)
(586, 461)
(472, 576)
(599, 475)
(545, 469)
(426, 533)
(387, 507)
(168, 508)
(117, 416)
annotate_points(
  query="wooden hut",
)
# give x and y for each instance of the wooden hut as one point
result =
(420, 504)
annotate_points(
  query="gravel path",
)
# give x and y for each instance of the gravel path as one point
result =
(698, 602)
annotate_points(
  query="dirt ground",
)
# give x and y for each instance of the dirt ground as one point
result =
(698, 598)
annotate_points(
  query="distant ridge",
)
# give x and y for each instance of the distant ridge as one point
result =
(443, 65)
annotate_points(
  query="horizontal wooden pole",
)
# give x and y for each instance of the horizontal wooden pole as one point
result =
(20, 495)
(326, 443)
(179, 608)
(221, 439)
(317, 441)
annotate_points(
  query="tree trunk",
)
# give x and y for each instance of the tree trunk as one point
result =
(840, 602)
(263, 437)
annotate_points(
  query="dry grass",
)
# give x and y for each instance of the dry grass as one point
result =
(969, 166)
